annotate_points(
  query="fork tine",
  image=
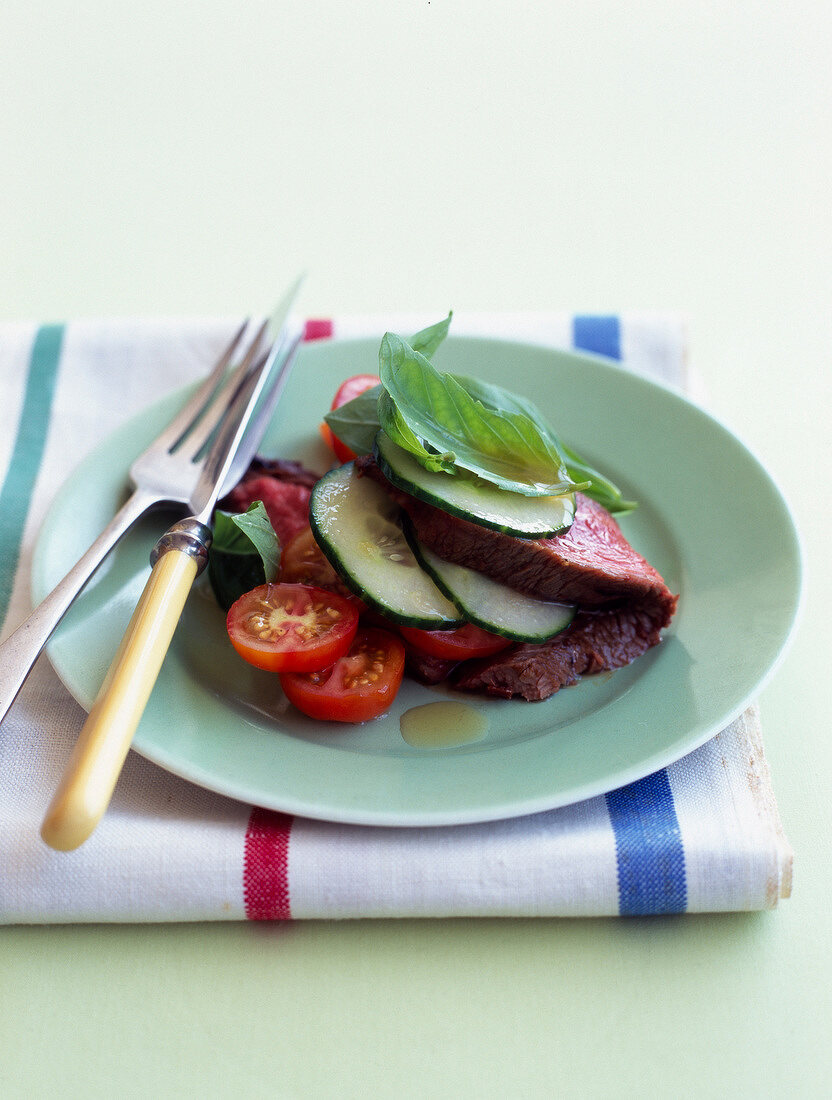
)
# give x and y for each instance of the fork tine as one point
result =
(252, 362)
(187, 417)
(285, 356)
(259, 390)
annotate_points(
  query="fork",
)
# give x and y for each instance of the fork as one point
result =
(178, 557)
(167, 472)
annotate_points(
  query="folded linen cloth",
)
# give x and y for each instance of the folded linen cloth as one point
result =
(701, 835)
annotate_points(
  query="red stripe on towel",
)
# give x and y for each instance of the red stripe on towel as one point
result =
(266, 866)
(266, 859)
(317, 328)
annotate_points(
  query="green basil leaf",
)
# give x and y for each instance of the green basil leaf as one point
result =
(245, 553)
(594, 483)
(228, 538)
(600, 487)
(356, 422)
(501, 400)
(255, 525)
(394, 425)
(231, 575)
(504, 448)
(248, 532)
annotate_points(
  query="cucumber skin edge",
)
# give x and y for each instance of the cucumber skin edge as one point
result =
(330, 553)
(503, 632)
(452, 510)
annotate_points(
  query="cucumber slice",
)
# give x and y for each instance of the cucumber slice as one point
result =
(493, 606)
(358, 528)
(475, 500)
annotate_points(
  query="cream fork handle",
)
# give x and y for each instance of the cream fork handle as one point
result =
(98, 756)
(21, 649)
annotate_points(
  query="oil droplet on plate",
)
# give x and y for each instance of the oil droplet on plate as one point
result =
(442, 725)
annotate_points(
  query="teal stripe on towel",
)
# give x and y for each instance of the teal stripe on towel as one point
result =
(16, 493)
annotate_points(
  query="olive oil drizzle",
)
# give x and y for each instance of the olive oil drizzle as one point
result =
(442, 725)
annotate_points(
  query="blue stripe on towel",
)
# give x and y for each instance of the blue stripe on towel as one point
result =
(648, 848)
(599, 333)
(648, 842)
(16, 493)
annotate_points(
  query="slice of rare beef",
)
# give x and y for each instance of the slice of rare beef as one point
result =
(591, 565)
(284, 488)
(624, 601)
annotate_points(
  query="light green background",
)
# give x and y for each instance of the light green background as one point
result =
(190, 157)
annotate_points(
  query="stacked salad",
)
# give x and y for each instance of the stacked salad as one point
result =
(332, 605)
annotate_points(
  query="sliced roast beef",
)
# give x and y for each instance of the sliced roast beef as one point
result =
(591, 565)
(624, 602)
(284, 488)
(594, 642)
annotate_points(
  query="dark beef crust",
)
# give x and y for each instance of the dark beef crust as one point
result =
(284, 469)
(594, 642)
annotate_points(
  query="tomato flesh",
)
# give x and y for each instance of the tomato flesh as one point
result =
(456, 645)
(291, 627)
(359, 686)
(303, 562)
(353, 387)
(326, 435)
(349, 389)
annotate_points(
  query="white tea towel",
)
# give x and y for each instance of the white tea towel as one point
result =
(701, 835)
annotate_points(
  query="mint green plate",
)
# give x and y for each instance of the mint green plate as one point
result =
(711, 521)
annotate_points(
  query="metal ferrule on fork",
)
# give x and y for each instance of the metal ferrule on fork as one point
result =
(188, 536)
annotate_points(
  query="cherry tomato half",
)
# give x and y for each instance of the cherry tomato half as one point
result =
(353, 387)
(291, 627)
(455, 645)
(357, 687)
(303, 562)
(346, 392)
(328, 437)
